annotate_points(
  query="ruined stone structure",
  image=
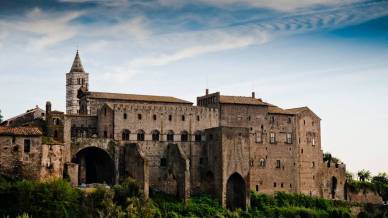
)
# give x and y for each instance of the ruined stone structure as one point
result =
(226, 146)
(24, 154)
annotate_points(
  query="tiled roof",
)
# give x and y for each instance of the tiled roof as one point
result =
(30, 111)
(225, 99)
(297, 110)
(278, 110)
(301, 109)
(20, 131)
(57, 112)
(132, 97)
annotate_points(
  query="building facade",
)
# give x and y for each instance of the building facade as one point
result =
(225, 145)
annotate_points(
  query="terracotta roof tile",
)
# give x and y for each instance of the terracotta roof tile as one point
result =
(278, 110)
(225, 99)
(20, 131)
(132, 97)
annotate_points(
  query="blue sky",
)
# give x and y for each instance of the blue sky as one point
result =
(330, 55)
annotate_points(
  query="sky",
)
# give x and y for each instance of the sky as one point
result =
(329, 55)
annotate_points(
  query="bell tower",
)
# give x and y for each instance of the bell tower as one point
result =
(76, 78)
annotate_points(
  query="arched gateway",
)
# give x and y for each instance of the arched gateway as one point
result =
(235, 192)
(95, 166)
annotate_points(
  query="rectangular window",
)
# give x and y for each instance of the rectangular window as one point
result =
(278, 163)
(313, 141)
(272, 138)
(258, 137)
(169, 117)
(163, 162)
(27, 145)
(139, 116)
(289, 138)
(154, 116)
(183, 117)
(257, 188)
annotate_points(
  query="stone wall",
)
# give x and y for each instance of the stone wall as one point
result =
(37, 161)
(331, 180)
(309, 153)
(364, 196)
(136, 166)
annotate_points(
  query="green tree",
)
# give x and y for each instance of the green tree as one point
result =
(364, 175)
(349, 176)
(381, 178)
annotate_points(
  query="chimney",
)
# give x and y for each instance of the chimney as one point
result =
(253, 94)
(207, 91)
(48, 108)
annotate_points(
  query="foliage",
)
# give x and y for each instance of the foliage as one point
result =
(349, 176)
(298, 205)
(328, 158)
(1, 117)
(51, 199)
(364, 175)
(58, 199)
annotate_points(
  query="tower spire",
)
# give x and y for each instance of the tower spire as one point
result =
(77, 65)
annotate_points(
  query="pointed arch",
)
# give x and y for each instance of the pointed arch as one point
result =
(235, 192)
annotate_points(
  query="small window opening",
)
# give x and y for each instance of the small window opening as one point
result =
(27, 145)
(183, 117)
(170, 136)
(125, 116)
(139, 117)
(278, 163)
(198, 137)
(169, 117)
(184, 136)
(155, 136)
(140, 136)
(163, 162)
(154, 116)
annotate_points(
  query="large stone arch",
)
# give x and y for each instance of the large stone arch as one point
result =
(235, 192)
(95, 166)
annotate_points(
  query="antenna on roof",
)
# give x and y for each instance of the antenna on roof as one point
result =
(207, 84)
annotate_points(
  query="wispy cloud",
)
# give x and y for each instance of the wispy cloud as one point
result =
(43, 29)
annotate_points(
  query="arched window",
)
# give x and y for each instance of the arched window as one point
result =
(140, 135)
(184, 136)
(262, 163)
(198, 136)
(155, 135)
(170, 136)
(125, 135)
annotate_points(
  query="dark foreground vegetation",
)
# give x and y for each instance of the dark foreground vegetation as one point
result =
(58, 199)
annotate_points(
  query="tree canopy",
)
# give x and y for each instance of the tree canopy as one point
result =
(364, 175)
